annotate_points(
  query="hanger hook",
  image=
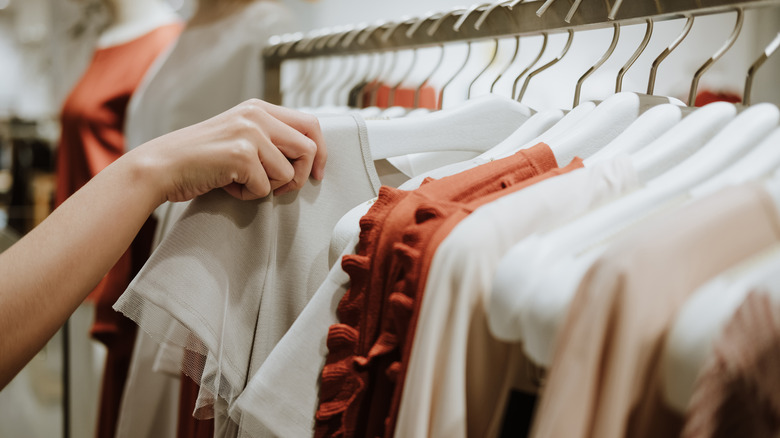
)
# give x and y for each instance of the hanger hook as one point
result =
(530, 66)
(328, 40)
(351, 35)
(613, 12)
(435, 26)
(416, 25)
(371, 30)
(329, 84)
(599, 63)
(428, 78)
(544, 8)
(492, 59)
(546, 66)
(467, 14)
(654, 69)
(572, 11)
(382, 73)
(769, 51)
(394, 88)
(714, 58)
(642, 46)
(509, 64)
(353, 71)
(375, 61)
(466, 61)
(306, 45)
(394, 26)
(481, 20)
(288, 45)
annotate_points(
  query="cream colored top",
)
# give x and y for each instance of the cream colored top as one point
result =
(605, 379)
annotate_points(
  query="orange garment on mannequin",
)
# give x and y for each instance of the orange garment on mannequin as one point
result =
(93, 118)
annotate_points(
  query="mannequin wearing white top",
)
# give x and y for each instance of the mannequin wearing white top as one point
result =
(132, 18)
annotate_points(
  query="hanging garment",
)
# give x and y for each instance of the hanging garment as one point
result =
(458, 376)
(737, 394)
(604, 378)
(401, 321)
(224, 258)
(211, 68)
(343, 389)
(92, 122)
(297, 360)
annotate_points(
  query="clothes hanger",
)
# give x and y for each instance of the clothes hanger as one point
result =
(666, 52)
(399, 111)
(475, 125)
(372, 81)
(544, 125)
(492, 60)
(599, 63)
(346, 64)
(768, 52)
(318, 64)
(660, 156)
(760, 161)
(648, 126)
(605, 123)
(580, 240)
(529, 67)
(418, 90)
(531, 75)
(508, 64)
(637, 53)
(714, 58)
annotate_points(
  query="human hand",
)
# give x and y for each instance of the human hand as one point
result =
(249, 150)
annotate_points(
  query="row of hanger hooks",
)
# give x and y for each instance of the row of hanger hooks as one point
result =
(362, 38)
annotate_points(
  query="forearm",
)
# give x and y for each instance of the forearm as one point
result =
(248, 151)
(49, 272)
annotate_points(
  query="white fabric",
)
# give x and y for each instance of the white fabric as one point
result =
(224, 258)
(440, 398)
(210, 68)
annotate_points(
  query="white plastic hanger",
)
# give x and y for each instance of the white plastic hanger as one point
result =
(760, 161)
(647, 128)
(475, 125)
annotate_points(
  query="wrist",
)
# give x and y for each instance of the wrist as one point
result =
(144, 174)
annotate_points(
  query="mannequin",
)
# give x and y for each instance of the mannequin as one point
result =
(129, 19)
(92, 121)
(215, 64)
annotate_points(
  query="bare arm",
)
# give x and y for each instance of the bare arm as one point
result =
(249, 151)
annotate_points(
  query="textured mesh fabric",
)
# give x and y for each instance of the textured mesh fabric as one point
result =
(231, 276)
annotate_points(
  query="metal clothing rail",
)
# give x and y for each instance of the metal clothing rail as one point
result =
(487, 21)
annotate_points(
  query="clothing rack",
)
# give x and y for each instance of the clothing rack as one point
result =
(486, 21)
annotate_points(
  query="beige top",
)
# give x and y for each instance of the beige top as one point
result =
(604, 381)
(231, 276)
